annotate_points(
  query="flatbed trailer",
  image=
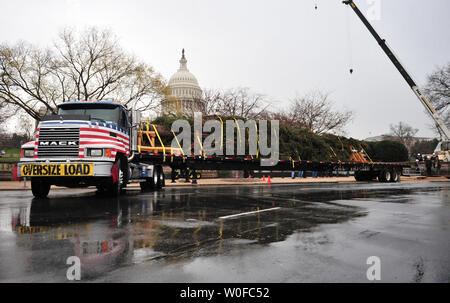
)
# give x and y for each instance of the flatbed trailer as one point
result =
(74, 150)
(382, 171)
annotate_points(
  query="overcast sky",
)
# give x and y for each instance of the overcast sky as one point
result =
(278, 48)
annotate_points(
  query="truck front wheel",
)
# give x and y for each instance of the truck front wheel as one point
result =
(40, 188)
(118, 178)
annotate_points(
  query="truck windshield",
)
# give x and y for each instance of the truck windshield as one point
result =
(109, 115)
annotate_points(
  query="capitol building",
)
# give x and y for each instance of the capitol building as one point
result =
(185, 95)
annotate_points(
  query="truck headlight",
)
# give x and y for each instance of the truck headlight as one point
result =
(28, 153)
(95, 152)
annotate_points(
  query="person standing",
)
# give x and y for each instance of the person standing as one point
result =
(438, 165)
(428, 165)
(416, 165)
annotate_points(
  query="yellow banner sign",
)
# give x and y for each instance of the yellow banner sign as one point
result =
(50, 170)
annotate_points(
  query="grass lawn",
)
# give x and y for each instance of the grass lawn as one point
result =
(6, 159)
(12, 151)
(10, 155)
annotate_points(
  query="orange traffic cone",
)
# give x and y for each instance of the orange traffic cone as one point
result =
(268, 180)
(264, 178)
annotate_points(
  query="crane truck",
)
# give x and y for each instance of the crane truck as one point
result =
(443, 147)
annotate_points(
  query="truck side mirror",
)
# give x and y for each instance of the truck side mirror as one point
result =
(135, 118)
(135, 124)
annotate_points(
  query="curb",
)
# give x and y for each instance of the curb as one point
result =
(234, 183)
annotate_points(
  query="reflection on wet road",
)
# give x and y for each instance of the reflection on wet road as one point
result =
(278, 233)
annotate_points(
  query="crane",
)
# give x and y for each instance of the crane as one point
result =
(443, 147)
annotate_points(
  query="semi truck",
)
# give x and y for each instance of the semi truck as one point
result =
(87, 143)
(100, 143)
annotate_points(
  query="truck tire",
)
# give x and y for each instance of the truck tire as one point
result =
(384, 176)
(116, 187)
(40, 188)
(160, 177)
(150, 183)
(395, 176)
(392, 176)
(399, 176)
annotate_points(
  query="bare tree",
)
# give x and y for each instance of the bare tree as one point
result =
(237, 102)
(211, 99)
(241, 102)
(314, 111)
(437, 89)
(26, 126)
(404, 133)
(90, 65)
(5, 113)
(24, 73)
(3, 118)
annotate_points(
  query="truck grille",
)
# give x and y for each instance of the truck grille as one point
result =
(58, 142)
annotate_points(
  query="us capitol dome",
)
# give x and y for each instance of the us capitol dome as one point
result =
(185, 95)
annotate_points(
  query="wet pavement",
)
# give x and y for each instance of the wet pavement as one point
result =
(302, 233)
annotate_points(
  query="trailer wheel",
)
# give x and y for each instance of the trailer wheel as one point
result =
(151, 182)
(395, 176)
(160, 177)
(384, 176)
(40, 188)
(399, 176)
(163, 178)
(392, 176)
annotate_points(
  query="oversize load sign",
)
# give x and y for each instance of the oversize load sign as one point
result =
(65, 169)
